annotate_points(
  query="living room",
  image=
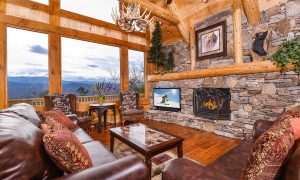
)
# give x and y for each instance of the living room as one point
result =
(149, 89)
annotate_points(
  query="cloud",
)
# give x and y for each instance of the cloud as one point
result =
(39, 49)
(92, 66)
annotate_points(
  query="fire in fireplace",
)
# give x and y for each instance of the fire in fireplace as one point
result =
(212, 103)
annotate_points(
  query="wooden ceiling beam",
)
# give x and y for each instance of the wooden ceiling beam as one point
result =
(211, 8)
(252, 12)
(157, 11)
(183, 29)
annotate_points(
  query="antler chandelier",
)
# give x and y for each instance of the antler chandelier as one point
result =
(129, 17)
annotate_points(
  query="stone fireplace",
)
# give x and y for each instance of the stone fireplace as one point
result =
(212, 103)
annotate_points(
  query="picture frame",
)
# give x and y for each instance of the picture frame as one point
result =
(211, 41)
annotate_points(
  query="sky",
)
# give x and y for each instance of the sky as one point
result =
(28, 51)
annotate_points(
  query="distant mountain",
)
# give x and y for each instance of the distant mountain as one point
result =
(37, 87)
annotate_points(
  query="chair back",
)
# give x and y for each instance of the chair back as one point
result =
(63, 102)
(129, 100)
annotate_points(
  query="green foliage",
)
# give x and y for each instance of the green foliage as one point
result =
(169, 65)
(288, 53)
(156, 56)
(82, 91)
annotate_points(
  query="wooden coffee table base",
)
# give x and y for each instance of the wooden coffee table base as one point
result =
(147, 151)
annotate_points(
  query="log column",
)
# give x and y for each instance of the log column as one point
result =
(124, 68)
(251, 9)
(237, 31)
(3, 67)
(192, 43)
(148, 66)
(55, 66)
(3, 59)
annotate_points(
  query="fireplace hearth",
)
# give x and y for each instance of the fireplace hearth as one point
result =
(212, 103)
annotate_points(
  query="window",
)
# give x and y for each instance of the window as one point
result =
(42, 1)
(136, 71)
(27, 64)
(85, 64)
(98, 9)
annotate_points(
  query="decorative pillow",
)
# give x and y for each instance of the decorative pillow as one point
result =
(294, 108)
(44, 128)
(61, 102)
(65, 149)
(129, 100)
(61, 118)
(269, 151)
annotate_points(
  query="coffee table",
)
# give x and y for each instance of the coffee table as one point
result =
(145, 140)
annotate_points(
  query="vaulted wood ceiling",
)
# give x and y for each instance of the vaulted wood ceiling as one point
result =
(192, 11)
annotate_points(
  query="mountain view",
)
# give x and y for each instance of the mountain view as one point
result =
(37, 87)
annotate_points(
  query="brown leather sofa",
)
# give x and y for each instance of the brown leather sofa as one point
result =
(22, 154)
(230, 166)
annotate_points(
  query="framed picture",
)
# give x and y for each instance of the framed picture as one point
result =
(211, 41)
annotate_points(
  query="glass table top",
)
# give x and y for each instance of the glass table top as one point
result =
(143, 134)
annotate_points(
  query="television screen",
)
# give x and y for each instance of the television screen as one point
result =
(167, 98)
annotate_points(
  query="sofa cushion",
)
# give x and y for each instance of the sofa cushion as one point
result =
(291, 171)
(235, 161)
(187, 169)
(270, 151)
(25, 111)
(61, 102)
(98, 153)
(82, 136)
(61, 118)
(65, 149)
(22, 153)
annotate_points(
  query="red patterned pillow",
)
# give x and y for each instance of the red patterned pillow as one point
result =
(65, 149)
(270, 150)
(61, 118)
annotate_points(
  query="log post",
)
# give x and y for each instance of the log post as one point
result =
(3, 59)
(124, 68)
(3, 68)
(192, 44)
(237, 31)
(148, 66)
(54, 62)
(252, 12)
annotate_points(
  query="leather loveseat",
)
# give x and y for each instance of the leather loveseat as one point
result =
(230, 166)
(22, 154)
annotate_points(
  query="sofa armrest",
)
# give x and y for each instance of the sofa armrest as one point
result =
(187, 169)
(260, 126)
(130, 167)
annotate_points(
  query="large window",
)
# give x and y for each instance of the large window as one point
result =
(27, 64)
(85, 64)
(99, 9)
(136, 71)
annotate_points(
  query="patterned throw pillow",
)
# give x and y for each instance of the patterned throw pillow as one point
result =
(269, 151)
(61, 102)
(61, 118)
(65, 149)
(129, 100)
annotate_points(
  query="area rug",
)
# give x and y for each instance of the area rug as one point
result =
(158, 162)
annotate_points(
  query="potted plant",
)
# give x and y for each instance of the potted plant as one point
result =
(102, 89)
(288, 53)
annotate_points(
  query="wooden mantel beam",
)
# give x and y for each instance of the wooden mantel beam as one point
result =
(157, 11)
(252, 12)
(236, 69)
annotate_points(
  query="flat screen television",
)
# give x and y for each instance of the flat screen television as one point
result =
(167, 99)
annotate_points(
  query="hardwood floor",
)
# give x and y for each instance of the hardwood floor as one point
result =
(201, 146)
